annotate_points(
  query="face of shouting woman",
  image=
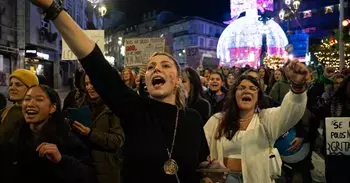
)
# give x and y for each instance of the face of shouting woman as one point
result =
(161, 78)
(247, 95)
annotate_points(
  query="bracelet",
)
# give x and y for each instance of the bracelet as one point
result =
(298, 90)
(53, 11)
(298, 86)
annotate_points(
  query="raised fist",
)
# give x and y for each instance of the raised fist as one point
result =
(296, 72)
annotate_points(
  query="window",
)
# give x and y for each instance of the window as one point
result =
(201, 42)
(193, 40)
(201, 29)
(211, 43)
(211, 31)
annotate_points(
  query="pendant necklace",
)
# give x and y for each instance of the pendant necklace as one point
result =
(170, 166)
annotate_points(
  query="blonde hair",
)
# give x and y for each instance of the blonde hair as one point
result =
(180, 93)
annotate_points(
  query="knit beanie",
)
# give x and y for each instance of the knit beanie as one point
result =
(26, 76)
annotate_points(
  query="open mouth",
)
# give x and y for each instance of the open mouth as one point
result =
(215, 84)
(158, 81)
(246, 99)
(31, 112)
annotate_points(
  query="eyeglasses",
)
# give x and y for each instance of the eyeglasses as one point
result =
(250, 88)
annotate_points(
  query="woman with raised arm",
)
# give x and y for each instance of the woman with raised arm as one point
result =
(164, 140)
(241, 135)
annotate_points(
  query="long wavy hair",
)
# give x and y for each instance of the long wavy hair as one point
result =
(131, 82)
(229, 124)
(180, 98)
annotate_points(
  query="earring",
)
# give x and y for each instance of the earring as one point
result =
(257, 109)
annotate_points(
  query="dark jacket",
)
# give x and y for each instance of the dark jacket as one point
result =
(20, 162)
(11, 120)
(203, 107)
(105, 141)
(216, 106)
(3, 101)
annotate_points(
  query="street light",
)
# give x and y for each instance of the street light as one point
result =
(94, 3)
(102, 10)
(292, 7)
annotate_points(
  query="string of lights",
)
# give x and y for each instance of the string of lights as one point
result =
(274, 62)
(328, 53)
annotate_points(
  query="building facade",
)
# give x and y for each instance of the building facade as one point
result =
(8, 37)
(181, 35)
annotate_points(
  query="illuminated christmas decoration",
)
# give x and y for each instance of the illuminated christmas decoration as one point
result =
(328, 53)
(240, 43)
(240, 6)
(274, 62)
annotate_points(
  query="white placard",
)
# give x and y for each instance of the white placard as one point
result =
(138, 50)
(338, 136)
(98, 36)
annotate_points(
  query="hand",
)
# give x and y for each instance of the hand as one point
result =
(295, 144)
(296, 72)
(142, 72)
(83, 130)
(43, 4)
(50, 151)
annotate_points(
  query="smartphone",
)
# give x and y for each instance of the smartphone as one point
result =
(81, 115)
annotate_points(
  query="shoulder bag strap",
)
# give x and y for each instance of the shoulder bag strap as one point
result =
(267, 135)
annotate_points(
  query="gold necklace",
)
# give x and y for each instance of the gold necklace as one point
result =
(170, 166)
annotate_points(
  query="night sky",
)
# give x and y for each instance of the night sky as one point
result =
(218, 10)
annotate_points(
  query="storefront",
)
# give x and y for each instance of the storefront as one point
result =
(41, 62)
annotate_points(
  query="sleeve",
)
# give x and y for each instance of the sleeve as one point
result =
(278, 120)
(204, 148)
(210, 127)
(111, 141)
(71, 170)
(75, 165)
(122, 100)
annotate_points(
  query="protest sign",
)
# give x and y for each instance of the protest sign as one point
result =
(98, 36)
(338, 136)
(138, 50)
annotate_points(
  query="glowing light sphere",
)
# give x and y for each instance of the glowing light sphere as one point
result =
(240, 43)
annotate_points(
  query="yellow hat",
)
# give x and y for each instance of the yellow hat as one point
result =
(26, 76)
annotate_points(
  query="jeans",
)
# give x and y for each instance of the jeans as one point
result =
(234, 177)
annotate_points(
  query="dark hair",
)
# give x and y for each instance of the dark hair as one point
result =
(266, 76)
(195, 84)
(218, 73)
(79, 78)
(252, 70)
(56, 125)
(230, 121)
(272, 77)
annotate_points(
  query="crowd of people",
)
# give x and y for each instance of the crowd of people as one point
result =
(161, 124)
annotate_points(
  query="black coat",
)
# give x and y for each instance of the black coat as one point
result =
(216, 106)
(20, 162)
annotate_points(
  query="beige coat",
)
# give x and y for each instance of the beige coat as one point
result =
(255, 146)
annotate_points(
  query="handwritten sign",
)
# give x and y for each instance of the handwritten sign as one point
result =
(338, 136)
(98, 36)
(138, 50)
